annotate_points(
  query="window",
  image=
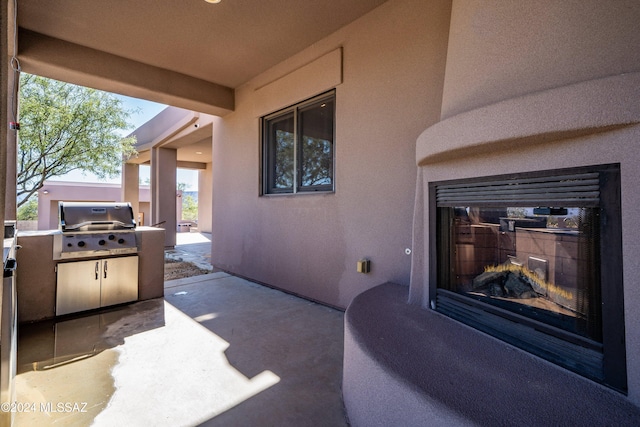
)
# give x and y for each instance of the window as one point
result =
(535, 260)
(298, 147)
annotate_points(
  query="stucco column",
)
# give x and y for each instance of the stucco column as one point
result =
(6, 417)
(10, 209)
(131, 187)
(4, 92)
(7, 136)
(179, 199)
(164, 163)
(205, 199)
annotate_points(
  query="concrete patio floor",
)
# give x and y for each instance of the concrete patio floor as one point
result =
(216, 350)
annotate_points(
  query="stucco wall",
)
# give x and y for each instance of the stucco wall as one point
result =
(503, 49)
(58, 191)
(540, 86)
(205, 192)
(163, 190)
(392, 66)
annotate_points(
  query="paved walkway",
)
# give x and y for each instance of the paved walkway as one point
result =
(194, 248)
(217, 350)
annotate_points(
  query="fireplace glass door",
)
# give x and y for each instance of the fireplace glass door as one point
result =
(535, 259)
(538, 262)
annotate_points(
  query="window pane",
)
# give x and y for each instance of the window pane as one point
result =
(316, 144)
(298, 147)
(536, 262)
(281, 153)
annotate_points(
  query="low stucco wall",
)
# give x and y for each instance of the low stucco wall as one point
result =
(53, 192)
(406, 366)
(36, 271)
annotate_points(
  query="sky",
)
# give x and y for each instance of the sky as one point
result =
(146, 110)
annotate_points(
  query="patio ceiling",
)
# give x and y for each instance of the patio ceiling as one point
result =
(190, 155)
(188, 132)
(183, 53)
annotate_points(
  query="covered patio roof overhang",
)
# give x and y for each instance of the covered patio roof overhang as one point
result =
(192, 58)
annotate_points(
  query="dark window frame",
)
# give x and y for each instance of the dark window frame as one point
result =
(294, 112)
(605, 363)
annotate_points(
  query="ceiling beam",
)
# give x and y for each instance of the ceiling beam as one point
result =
(192, 165)
(73, 63)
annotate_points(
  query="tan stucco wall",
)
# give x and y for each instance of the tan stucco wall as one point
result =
(540, 86)
(4, 103)
(392, 73)
(163, 191)
(130, 187)
(205, 194)
(502, 49)
(58, 191)
(8, 93)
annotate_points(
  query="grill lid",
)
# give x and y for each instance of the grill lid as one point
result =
(86, 216)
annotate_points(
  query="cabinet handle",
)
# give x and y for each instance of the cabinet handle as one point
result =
(105, 269)
(97, 269)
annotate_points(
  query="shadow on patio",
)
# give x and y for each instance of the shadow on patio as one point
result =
(217, 350)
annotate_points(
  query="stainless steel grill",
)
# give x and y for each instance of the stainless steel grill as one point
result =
(94, 230)
(80, 216)
(105, 233)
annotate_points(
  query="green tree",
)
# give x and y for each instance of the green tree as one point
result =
(317, 161)
(189, 208)
(284, 149)
(29, 210)
(64, 127)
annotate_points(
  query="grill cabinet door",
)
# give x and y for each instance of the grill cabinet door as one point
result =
(119, 280)
(78, 286)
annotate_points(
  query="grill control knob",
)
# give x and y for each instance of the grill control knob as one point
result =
(81, 244)
(121, 241)
(101, 242)
(112, 237)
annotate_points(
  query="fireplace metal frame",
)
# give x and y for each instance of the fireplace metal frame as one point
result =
(603, 362)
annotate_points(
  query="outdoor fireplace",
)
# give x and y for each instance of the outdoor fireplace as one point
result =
(535, 259)
(565, 286)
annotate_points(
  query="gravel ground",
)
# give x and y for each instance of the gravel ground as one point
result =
(174, 269)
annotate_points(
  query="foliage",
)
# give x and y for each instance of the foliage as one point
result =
(516, 212)
(189, 208)
(28, 211)
(283, 159)
(64, 128)
(316, 161)
(300, 147)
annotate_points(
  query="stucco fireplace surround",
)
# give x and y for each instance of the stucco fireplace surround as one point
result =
(413, 364)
